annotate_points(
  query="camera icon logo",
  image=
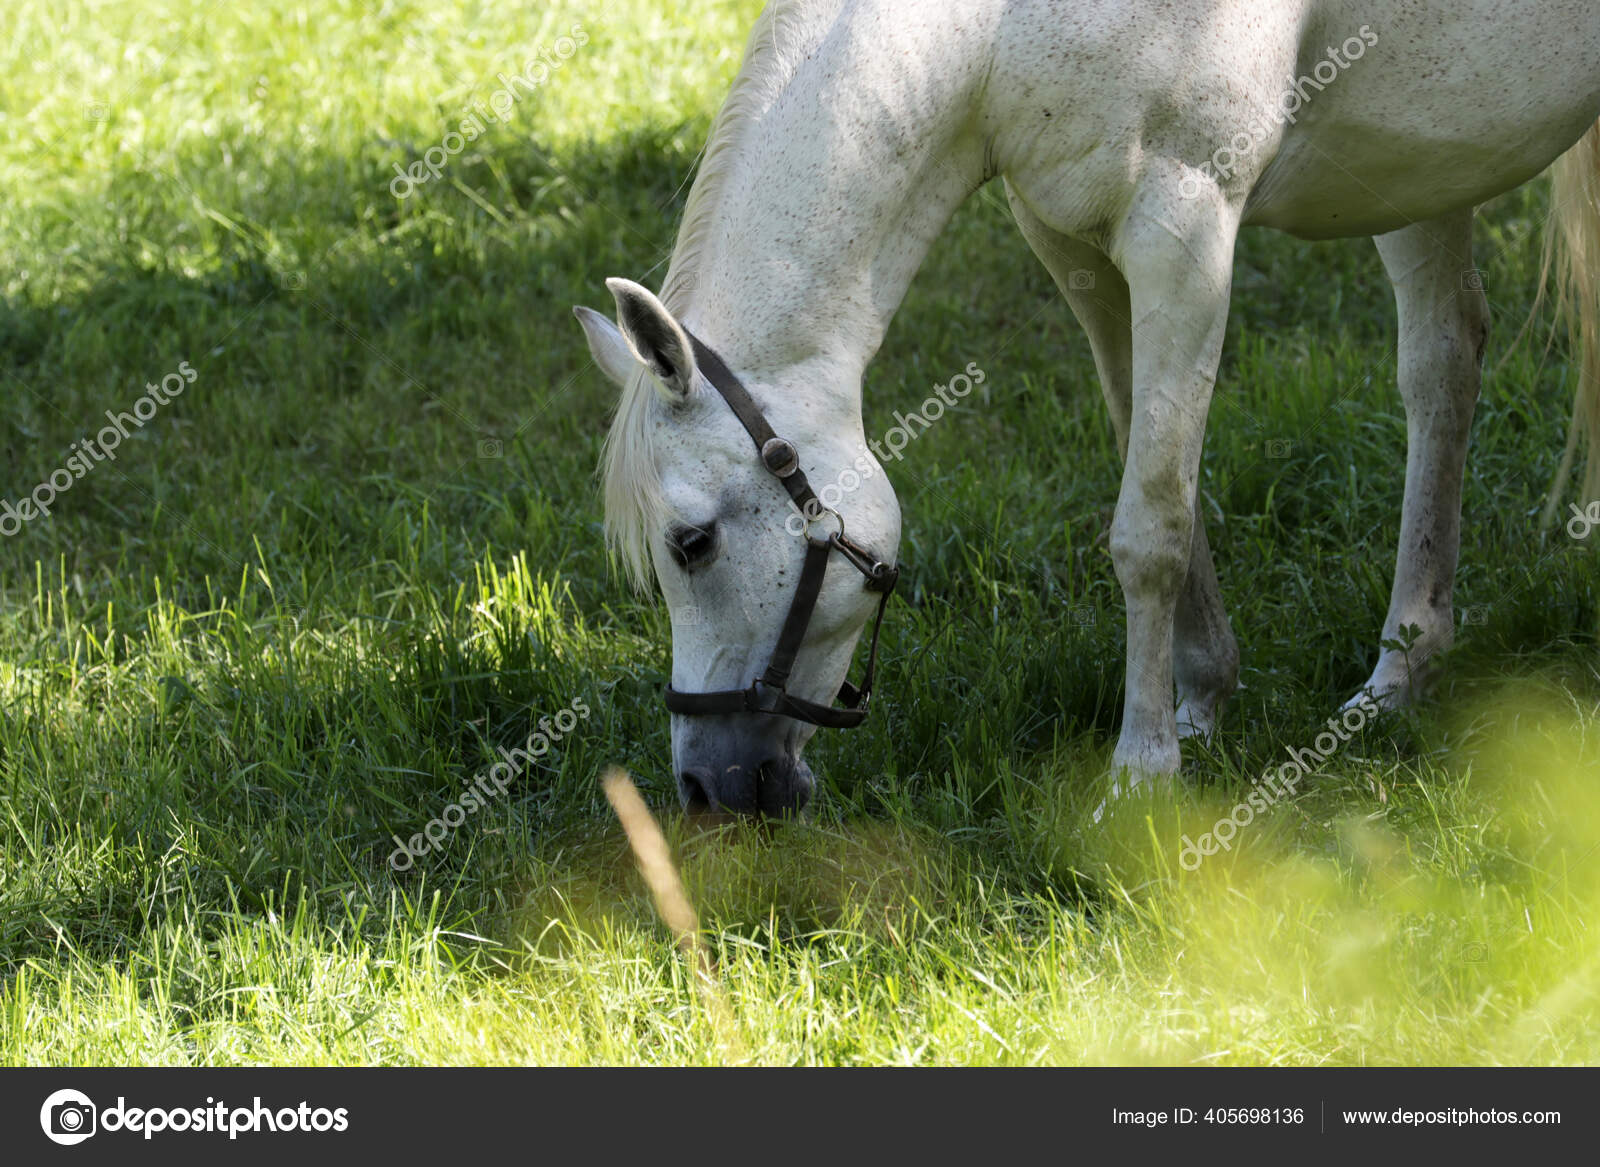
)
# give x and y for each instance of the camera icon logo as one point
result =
(491, 448)
(68, 1117)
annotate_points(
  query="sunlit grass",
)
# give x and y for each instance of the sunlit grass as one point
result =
(1390, 942)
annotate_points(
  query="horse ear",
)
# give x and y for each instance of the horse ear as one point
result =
(608, 346)
(655, 337)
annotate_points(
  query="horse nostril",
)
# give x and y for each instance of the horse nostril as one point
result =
(694, 791)
(780, 791)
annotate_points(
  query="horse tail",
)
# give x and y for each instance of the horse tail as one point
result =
(1572, 254)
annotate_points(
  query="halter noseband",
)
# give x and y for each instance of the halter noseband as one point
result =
(768, 693)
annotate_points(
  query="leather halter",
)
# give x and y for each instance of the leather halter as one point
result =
(769, 693)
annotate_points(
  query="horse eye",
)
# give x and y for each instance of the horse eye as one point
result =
(689, 546)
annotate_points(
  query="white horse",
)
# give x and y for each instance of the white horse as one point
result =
(1135, 138)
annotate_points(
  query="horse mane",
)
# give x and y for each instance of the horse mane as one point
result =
(635, 507)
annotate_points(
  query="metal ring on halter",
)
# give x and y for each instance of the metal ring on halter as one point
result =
(826, 510)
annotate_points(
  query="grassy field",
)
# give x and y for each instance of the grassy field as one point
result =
(361, 549)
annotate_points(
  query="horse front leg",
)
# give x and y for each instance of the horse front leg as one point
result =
(1205, 651)
(1177, 257)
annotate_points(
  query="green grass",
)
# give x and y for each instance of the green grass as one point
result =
(307, 602)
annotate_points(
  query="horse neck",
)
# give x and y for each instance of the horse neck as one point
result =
(827, 208)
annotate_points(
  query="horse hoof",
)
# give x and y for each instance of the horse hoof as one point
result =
(1128, 781)
(1195, 721)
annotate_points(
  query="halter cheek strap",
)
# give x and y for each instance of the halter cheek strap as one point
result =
(769, 693)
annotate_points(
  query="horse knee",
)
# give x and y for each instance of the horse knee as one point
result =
(1150, 549)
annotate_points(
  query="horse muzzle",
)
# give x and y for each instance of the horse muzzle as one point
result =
(775, 786)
